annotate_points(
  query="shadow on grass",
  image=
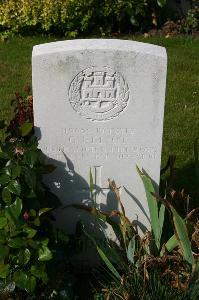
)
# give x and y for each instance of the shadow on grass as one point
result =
(187, 178)
(182, 187)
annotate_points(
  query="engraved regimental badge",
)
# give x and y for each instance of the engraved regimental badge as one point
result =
(98, 93)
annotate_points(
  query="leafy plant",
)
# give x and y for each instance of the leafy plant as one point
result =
(174, 260)
(156, 213)
(29, 244)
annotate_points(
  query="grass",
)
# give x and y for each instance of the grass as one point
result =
(181, 123)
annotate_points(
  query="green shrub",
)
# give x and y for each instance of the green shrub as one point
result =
(191, 22)
(30, 246)
(72, 17)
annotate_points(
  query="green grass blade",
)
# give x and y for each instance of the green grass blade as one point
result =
(161, 217)
(153, 207)
(104, 257)
(108, 263)
(182, 236)
(113, 255)
(171, 243)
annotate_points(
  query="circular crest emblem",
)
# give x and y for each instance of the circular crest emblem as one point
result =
(98, 93)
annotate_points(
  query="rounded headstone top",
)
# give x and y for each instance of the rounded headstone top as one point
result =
(92, 44)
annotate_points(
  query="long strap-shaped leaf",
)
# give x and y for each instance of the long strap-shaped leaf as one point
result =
(182, 236)
(104, 257)
(171, 243)
(161, 217)
(153, 207)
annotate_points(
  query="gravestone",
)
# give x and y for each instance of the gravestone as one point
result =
(99, 105)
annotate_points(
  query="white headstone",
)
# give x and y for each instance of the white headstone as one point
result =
(99, 104)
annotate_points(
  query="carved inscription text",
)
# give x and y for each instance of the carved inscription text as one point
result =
(100, 143)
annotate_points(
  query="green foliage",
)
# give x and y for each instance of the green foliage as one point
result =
(182, 236)
(156, 214)
(140, 257)
(24, 241)
(73, 17)
(28, 242)
(191, 22)
(161, 3)
(105, 258)
(134, 287)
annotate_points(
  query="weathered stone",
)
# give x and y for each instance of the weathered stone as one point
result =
(99, 104)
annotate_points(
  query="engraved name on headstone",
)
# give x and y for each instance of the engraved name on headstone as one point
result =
(99, 105)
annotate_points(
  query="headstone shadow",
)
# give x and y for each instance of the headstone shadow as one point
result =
(138, 203)
(74, 192)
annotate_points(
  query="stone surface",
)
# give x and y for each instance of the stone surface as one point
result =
(99, 104)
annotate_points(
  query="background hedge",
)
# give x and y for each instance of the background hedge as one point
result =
(74, 17)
